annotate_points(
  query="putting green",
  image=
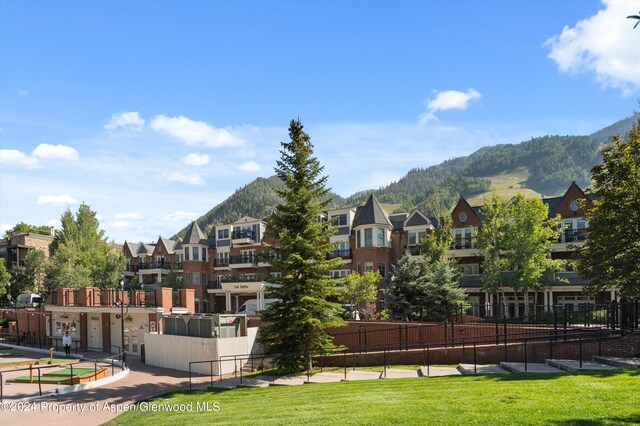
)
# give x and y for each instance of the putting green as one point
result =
(76, 372)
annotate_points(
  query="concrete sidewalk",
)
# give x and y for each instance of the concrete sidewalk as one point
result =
(99, 405)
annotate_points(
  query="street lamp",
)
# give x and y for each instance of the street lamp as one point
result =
(122, 317)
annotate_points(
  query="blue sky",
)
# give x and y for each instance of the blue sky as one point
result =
(152, 112)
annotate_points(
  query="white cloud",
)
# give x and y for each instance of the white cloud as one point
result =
(249, 166)
(13, 157)
(129, 216)
(179, 216)
(196, 159)
(55, 223)
(57, 152)
(448, 99)
(188, 178)
(605, 44)
(127, 120)
(4, 227)
(194, 132)
(22, 92)
(57, 200)
(120, 224)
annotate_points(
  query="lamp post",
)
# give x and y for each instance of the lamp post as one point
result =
(122, 317)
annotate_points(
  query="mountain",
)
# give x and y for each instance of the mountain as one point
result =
(255, 199)
(540, 166)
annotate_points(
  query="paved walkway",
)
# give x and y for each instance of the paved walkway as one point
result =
(142, 382)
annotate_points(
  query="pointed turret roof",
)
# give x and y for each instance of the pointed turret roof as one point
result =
(371, 213)
(194, 235)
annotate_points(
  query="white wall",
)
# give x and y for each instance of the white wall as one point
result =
(176, 352)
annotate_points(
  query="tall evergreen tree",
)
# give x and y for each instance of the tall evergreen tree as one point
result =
(611, 255)
(296, 326)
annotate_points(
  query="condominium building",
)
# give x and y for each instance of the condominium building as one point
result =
(233, 263)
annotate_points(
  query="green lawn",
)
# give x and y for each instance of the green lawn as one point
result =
(594, 398)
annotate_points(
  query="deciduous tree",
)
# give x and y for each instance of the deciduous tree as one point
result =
(611, 254)
(360, 288)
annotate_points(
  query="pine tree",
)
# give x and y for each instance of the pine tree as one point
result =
(297, 326)
(611, 255)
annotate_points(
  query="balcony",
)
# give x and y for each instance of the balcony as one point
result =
(175, 266)
(462, 243)
(237, 279)
(221, 262)
(414, 249)
(343, 254)
(572, 236)
(243, 236)
(93, 297)
(243, 261)
(268, 257)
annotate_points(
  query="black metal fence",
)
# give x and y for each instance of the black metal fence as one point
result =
(460, 330)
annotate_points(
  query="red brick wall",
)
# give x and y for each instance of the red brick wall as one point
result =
(492, 354)
(573, 193)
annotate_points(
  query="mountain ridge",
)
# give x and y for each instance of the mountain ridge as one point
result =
(544, 165)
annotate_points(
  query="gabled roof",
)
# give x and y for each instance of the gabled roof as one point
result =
(133, 247)
(371, 213)
(194, 235)
(397, 220)
(178, 245)
(417, 219)
(168, 244)
(146, 249)
(245, 219)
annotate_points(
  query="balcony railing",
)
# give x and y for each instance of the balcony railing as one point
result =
(237, 279)
(344, 254)
(220, 262)
(572, 235)
(243, 233)
(268, 257)
(462, 243)
(414, 249)
(249, 258)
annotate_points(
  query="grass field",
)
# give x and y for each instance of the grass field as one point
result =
(593, 398)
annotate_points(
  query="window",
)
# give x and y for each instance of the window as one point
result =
(339, 219)
(358, 242)
(463, 217)
(382, 269)
(462, 238)
(196, 277)
(380, 239)
(204, 254)
(470, 269)
(416, 236)
(368, 237)
(247, 256)
(186, 253)
(194, 253)
(223, 234)
(204, 278)
(339, 273)
(368, 266)
(186, 278)
(222, 258)
(275, 274)
(574, 206)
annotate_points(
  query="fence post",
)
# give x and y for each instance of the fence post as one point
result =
(497, 334)
(400, 337)
(550, 347)
(453, 336)
(525, 355)
(360, 339)
(475, 358)
(366, 345)
(406, 336)
(40, 383)
(580, 346)
(445, 333)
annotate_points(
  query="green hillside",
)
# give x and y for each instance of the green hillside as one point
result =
(541, 166)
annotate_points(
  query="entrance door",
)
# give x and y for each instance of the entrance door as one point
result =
(131, 340)
(95, 333)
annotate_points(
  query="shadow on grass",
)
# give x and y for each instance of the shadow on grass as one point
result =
(631, 419)
(552, 376)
